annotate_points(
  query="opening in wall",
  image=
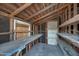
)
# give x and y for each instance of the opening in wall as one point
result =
(71, 29)
(78, 8)
(78, 27)
(72, 10)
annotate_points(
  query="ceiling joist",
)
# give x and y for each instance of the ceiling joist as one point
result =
(4, 14)
(46, 8)
(20, 9)
(46, 19)
(56, 10)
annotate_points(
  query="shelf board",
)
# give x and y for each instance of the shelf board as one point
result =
(12, 47)
(5, 33)
(70, 21)
(74, 39)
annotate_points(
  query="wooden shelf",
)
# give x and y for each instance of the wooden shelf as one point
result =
(70, 21)
(4, 33)
(74, 39)
(12, 47)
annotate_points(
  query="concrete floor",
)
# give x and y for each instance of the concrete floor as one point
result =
(42, 49)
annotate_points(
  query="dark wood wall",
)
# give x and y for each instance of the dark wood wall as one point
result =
(4, 27)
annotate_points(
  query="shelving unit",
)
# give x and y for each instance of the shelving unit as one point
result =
(73, 39)
(69, 26)
(15, 47)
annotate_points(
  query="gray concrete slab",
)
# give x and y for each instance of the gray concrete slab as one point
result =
(42, 49)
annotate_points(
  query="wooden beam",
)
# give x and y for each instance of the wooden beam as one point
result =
(70, 21)
(69, 13)
(46, 19)
(56, 10)
(4, 33)
(11, 6)
(20, 9)
(11, 29)
(40, 12)
(33, 9)
(37, 7)
(7, 10)
(75, 9)
(4, 14)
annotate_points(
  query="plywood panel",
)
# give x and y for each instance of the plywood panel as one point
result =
(21, 31)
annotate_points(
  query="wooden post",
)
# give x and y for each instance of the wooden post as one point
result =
(66, 14)
(11, 28)
(33, 28)
(46, 33)
(75, 9)
(29, 46)
(69, 13)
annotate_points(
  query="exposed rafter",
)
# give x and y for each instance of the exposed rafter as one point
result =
(11, 6)
(4, 14)
(40, 12)
(56, 10)
(20, 9)
(46, 19)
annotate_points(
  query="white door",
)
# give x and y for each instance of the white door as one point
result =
(52, 30)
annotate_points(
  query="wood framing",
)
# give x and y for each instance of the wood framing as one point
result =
(20, 9)
(70, 21)
(4, 14)
(46, 8)
(51, 13)
(75, 9)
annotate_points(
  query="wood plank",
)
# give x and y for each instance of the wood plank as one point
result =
(75, 9)
(20, 9)
(57, 10)
(70, 38)
(69, 13)
(40, 12)
(6, 8)
(46, 19)
(4, 14)
(4, 33)
(11, 6)
(11, 29)
(72, 20)
(12, 47)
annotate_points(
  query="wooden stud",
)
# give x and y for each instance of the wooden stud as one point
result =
(75, 9)
(11, 28)
(69, 11)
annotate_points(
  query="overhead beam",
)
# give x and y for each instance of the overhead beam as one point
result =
(20, 9)
(56, 10)
(46, 19)
(4, 14)
(7, 10)
(11, 6)
(46, 8)
(54, 15)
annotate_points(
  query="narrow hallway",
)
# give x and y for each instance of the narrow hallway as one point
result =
(42, 49)
(39, 29)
